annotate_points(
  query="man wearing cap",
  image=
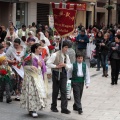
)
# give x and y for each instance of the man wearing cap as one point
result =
(82, 41)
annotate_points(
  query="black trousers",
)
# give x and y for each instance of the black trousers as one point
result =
(4, 86)
(115, 67)
(59, 85)
(77, 92)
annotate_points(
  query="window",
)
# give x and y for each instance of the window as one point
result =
(20, 14)
(100, 4)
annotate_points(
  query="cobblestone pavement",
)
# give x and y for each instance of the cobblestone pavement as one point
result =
(100, 101)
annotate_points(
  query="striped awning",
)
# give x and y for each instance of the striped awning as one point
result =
(12, 1)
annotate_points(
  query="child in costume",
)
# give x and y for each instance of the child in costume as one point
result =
(5, 81)
(80, 75)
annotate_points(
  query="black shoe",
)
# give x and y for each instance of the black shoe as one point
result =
(54, 110)
(112, 83)
(80, 111)
(30, 112)
(98, 69)
(103, 75)
(75, 108)
(106, 74)
(66, 111)
(116, 83)
(17, 99)
(9, 100)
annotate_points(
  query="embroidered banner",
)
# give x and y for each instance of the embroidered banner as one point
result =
(64, 20)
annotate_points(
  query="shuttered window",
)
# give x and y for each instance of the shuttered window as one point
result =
(42, 13)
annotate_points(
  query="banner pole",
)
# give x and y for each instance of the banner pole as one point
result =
(64, 6)
(63, 28)
(60, 57)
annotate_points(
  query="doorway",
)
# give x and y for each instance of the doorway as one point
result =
(4, 13)
(88, 18)
(100, 18)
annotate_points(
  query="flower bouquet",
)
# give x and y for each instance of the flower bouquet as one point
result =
(5, 75)
(27, 59)
(3, 72)
(51, 48)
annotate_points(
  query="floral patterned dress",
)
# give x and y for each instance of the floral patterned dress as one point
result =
(33, 97)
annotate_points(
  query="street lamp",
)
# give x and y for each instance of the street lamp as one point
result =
(109, 7)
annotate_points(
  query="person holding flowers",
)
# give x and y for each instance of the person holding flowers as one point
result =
(14, 55)
(5, 81)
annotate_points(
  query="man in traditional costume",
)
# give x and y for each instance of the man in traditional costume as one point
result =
(60, 63)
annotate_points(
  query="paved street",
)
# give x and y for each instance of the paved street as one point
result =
(100, 102)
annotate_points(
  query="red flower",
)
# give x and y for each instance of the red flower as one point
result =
(27, 58)
(51, 41)
(3, 72)
(73, 39)
(51, 47)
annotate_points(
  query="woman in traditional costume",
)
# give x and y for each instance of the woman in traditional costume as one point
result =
(15, 54)
(33, 97)
(11, 35)
(47, 55)
(32, 35)
(42, 37)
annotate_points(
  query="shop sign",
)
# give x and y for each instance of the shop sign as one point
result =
(51, 21)
(80, 6)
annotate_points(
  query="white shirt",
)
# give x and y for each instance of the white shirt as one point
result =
(23, 33)
(50, 61)
(80, 73)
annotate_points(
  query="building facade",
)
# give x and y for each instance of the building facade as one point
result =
(102, 12)
(28, 11)
(96, 12)
(6, 11)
